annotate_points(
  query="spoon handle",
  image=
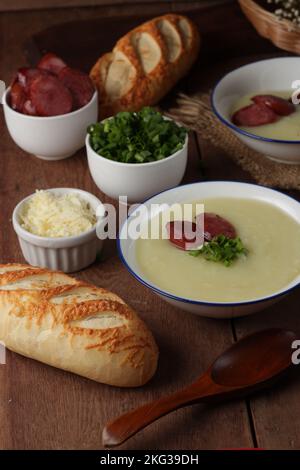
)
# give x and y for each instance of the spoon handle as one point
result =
(127, 425)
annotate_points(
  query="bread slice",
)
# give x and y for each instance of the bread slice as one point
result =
(145, 64)
(55, 319)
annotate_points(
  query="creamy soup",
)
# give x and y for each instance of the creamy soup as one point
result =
(273, 261)
(286, 128)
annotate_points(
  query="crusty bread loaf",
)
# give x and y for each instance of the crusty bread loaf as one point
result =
(69, 324)
(145, 64)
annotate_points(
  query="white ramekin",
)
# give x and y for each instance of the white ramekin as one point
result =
(67, 254)
(136, 181)
(50, 138)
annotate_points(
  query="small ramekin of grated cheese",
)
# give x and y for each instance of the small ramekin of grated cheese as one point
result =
(57, 228)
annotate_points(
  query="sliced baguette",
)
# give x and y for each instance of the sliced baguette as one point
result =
(145, 64)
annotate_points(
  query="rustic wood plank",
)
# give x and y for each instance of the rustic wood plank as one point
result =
(42, 4)
(276, 413)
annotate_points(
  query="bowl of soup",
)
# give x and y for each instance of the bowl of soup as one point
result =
(235, 272)
(277, 136)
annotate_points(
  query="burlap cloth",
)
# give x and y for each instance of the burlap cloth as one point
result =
(196, 113)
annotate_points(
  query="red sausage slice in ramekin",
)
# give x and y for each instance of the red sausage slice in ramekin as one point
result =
(17, 97)
(29, 109)
(79, 84)
(26, 75)
(50, 97)
(52, 63)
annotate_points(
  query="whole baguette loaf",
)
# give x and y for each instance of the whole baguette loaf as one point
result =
(145, 64)
(55, 319)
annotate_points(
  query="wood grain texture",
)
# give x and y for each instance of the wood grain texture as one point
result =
(226, 378)
(46, 408)
(276, 414)
(17, 5)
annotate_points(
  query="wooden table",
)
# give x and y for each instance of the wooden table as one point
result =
(41, 407)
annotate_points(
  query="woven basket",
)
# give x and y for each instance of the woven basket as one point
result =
(284, 34)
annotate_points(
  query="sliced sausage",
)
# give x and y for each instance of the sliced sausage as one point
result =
(22, 75)
(80, 85)
(254, 115)
(50, 97)
(29, 109)
(52, 63)
(26, 75)
(184, 234)
(215, 225)
(191, 235)
(17, 97)
(279, 105)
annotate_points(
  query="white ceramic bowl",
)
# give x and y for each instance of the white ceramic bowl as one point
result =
(67, 254)
(136, 181)
(198, 191)
(266, 75)
(50, 138)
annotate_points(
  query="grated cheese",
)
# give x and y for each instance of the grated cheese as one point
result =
(51, 215)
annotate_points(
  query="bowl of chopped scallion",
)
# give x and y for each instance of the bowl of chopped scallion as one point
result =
(136, 154)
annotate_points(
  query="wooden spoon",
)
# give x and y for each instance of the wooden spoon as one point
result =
(249, 365)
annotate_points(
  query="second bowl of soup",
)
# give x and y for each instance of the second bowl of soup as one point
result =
(278, 76)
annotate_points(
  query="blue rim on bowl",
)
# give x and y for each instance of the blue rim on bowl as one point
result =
(191, 301)
(233, 126)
